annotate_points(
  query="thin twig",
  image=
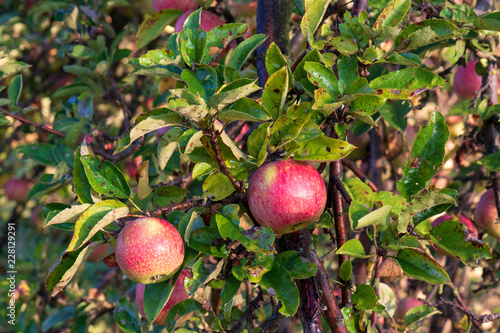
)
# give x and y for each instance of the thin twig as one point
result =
(359, 174)
(37, 125)
(238, 185)
(121, 155)
(249, 312)
(127, 114)
(274, 323)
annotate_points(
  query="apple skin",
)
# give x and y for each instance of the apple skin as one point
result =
(17, 190)
(486, 213)
(179, 294)
(404, 306)
(208, 20)
(183, 5)
(466, 81)
(99, 253)
(149, 250)
(286, 195)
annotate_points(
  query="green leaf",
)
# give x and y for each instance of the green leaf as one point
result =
(323, 149)
(245, 109)
(70, 215)
(491, 161)
(275, 92)
(78, 70)
(420, 312)
(397, 202)
(427, 155)
(406, 83)
(231, 287)
(230, 93)
(322, 77)
(192, 41)
(258, 142)
(453, 237)
(313, 18)
(297, 267)
(15, 89)
(181, 309)
(422, 202)
(253, 269)
(147, 123)
(353, 248)
(345, 270)
(168, 195)
(276, 61)
(359, 191)
(12, 68)
(126, 316)
(283, 286)
(288, 126)
(258, 239)
(392, 14)
(406, 59)
(379, 218)
(426, 32)
(94, 219)
(58, 317)
(418, 265)
(364, 298)
(153, 25)
(344, 45)
(39, 152)
(207, 240)
(245, 49)
(217, 186)
(394, 113)
(300, 73)
(105, 178)
(71, 90)
(348, 72)
(75, 132)
(201, 275)
(167, 145)
(65, 268)
(156, 295)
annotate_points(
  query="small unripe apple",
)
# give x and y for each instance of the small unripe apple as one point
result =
(208, 20)
(179, 294)
(286, 195)
(404, 306)
(149, 250)
(486, 213)
(466, 81)
(173, 4)
(17, 189)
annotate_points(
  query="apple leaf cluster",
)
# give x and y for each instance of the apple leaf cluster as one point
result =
(196, 174)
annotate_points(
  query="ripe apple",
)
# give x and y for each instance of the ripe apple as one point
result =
(17, 189)
(149, 250)
(486, 213)
(173, 4)
(179, 294)
(466, 81)
(99, 252)
(208, 20)
(286, 195)
(404, 306)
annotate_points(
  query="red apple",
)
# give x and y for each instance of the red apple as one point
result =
(486, 214)
(286, 195)
(173, 4)
(99, 252)
(17, 189)
(466, 81)
(404, 306)
(179, 294)
(208, 20)
(149, 250)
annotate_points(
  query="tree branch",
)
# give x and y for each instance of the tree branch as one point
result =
(248, 314)
(37, 125)
(359, 174)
